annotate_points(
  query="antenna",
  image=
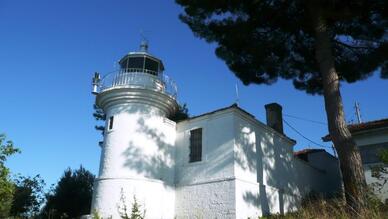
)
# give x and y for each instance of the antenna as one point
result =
(144, 42)
(358, 113)
(237, 95)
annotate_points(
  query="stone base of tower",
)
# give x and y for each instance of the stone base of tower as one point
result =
(112, 195)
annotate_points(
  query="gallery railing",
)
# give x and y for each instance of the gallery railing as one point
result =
(138, 78)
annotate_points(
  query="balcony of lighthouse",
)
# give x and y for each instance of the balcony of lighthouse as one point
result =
(136, 78)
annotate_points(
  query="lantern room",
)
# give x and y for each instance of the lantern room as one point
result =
(141, 61)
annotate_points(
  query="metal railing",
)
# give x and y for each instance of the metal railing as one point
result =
(141, 70)
(138, 78)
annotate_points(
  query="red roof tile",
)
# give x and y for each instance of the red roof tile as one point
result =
(355, 128)
(369, 125)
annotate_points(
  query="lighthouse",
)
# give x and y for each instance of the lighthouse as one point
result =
(137, 156)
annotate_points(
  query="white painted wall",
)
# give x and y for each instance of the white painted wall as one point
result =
(137, 159)
(153, 195)
(245, 158)
(247, 169)
(206, 188)
(381, 192)
(368, 138)
(268, 177)
(330, 165)
(363, 140)
(210, 199)
(262, 165)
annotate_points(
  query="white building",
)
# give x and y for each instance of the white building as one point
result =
(222, 164)
(371, 138)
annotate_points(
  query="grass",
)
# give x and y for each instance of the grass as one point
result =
(334, 208)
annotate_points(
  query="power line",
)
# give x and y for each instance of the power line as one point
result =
(317, 144)
(308, 120)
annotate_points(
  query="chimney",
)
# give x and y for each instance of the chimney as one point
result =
(274, 116)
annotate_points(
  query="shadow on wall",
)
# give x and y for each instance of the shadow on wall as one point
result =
(153, 155)
(283, 179)
(217, 152)
(161, 165)
(158, 165)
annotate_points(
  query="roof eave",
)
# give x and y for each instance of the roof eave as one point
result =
(327, 138)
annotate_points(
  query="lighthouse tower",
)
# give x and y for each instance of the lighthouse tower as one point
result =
(137, 158)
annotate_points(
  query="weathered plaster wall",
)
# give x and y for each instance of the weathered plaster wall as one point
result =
(210, 199)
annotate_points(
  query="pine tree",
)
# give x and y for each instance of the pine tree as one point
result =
(316, 44)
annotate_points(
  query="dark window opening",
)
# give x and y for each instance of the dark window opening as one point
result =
(151, 65)
(133, 62)
(110, 123)
(140, 64)
(195, 145)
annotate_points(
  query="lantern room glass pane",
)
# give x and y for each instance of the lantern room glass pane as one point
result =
(151, 65)
(133, 62)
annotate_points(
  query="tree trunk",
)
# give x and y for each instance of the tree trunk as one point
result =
(349, 157)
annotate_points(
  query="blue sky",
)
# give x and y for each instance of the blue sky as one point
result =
(49, 51)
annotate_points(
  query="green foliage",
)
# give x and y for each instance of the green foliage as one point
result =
(96, 215)
(99, 115)
(181, 114)
(28, 196)
(316, 44)
(6, 149)
(333, 208)
(380, 172)
(7, 187)
(384, 156)
(261, 41)
(72, 196)
(136, 212)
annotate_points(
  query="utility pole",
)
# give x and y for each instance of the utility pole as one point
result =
(358, 113)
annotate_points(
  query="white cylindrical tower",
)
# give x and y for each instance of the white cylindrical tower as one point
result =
(137, 158)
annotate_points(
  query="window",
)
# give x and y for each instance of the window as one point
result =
(110, 127)
(196, 145)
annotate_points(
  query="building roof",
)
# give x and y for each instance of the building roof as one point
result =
(303, 154)
(222, 109)
(235, 106)
(308, 151)
(365, 126)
